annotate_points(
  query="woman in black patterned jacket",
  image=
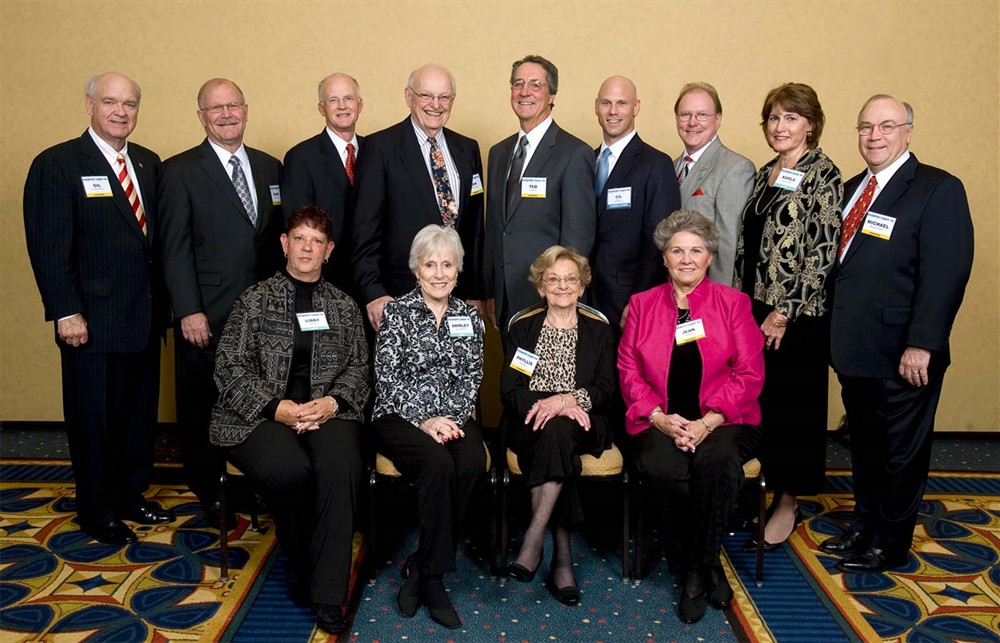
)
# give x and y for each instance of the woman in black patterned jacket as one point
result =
(293, 378)
(791, 229)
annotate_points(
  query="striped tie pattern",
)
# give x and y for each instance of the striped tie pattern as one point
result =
(130, 193)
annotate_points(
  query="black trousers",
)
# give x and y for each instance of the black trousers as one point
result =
(446, 475)
(891, 426)
(697, 491)
(110, 403)
(311, 483)
(196, 394)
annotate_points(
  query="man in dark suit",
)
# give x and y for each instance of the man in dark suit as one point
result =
(413, 174)
(905, 258)
(221, 206)
(635, 190)
(320, 170)
(541, 192)
(90, 220)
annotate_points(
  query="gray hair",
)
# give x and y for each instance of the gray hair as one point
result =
(436, 238)
(907, 106)
(90, 89)
(686, 221)
(551, 71)
(214, 82)
(319, 89)
(416, 72)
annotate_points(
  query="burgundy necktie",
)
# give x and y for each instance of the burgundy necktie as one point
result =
(349, 165)
(683, 174)
(856, 214)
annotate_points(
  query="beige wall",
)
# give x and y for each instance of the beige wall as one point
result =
(940, 56)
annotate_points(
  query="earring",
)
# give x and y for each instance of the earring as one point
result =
(286, 255)
(326, 261)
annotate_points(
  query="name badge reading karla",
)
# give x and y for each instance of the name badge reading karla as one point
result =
(477, 185)
(789, 179)
(460, 326)
(689, 332)
(96, 186)
(619, 198)
(313, 321)
(533, 187)
(524, 362)
(275, 194)
(878, 225)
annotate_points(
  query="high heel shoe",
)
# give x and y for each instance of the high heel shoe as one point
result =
(568, 595)
(751, 544)
(522, 574)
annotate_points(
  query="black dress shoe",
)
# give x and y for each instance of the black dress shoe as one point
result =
(845, 544)
(330, 618)
(438, 604)
(751, 545)
(213, 516)
(691, 607)
(719, 592)
(148, 513)
(112, 533)
(408, 598)
(872, 560)
(522, 574)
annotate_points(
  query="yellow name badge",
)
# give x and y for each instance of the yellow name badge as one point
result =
(689, 331)
(533, 187)
(96, 186)
(524, 362)
(477, 185)
(878, 225)
(275, 194)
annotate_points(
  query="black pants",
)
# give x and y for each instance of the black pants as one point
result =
(446, 475)
(196, 394)
(310, 482)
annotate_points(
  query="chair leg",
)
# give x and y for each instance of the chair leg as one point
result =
(626, 542)
(640, 512)
(504, 536)
(223, 531)
(759, 575)
(493, 523)
(372, 551)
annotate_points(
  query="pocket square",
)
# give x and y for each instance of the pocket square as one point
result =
(698, 192)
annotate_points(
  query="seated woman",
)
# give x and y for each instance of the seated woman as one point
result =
(293, 377)
(691, 368)
(428, 366)
(557, 385)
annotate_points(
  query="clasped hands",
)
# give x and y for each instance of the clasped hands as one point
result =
(686, 434)
(307, 416)
(563, 404)
(442, 429)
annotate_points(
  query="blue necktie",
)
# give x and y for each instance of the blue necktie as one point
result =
(602, 172)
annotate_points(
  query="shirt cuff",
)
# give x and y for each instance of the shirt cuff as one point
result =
(583, 399)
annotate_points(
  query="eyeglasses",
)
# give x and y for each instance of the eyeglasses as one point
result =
(336, 100)
(533, 85)
(217, 109)
(427, 99)
(701, 117)
(572, 280)
(886, 127)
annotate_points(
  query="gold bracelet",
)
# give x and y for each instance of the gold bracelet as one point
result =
(707, 426)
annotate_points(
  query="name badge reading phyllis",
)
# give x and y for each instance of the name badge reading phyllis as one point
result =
(689, 332)
(313, 321)
(275, 194)
(533, 187)
(460, 326)
(878, 225)
(789, 179)
(477, 185)
(524, 362)
(96, 186)
(619, 198)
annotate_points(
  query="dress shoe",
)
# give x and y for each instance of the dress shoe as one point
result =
(691, 607)
(408, 598)
(568, 595)
(718, 589)
(438, 604)
(330, 618)
(522, 574)
(872, 560)
(112, 533)
(751, 545)
(148, 513)
(849, 542)
(213, 516)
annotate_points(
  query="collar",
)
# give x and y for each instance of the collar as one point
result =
(535, 136)
(701, 150)
(109, 152)
(618, 146)
(224, 154)
(340, 143)
(883, 176)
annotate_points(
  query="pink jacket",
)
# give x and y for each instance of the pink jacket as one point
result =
(731, 353)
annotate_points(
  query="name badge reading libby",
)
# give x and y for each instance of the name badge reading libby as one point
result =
(96, 186)
(309, 322)
(275, 194)
(533, 187)
(689, 331)
(524, 362)
(619, 198)
(878, 225)
(477, 185)
(789, 179)
(460, 326)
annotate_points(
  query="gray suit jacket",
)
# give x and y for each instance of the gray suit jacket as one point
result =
(718, 186)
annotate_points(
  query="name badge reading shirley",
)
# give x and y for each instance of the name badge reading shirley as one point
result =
(313, 321)
(533, 187)
(878, 225)
(789, 179)
(689, 331)
(524, 362)
(619, 198)
(460, 326)
(96, 186)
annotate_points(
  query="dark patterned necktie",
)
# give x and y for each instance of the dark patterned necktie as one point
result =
(516, 167)
(243, 188)
(442, 185)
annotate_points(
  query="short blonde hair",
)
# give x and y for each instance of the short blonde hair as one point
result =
(549, 258)
(436, 238)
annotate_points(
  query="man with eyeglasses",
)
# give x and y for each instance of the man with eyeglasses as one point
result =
(221, 219)
(713, 179)
(321, 170)
(541, 192)
(905, 257)
(412, 174)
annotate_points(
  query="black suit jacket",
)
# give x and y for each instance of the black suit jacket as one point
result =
(211, 251)
(313, 173)
(394, 198)
(89, 255)
(904, 291)
(625, 259)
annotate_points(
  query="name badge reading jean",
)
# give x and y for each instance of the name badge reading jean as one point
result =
(477, 185)
(313, 321)
(275, 194)
(524, 362)
(878, 225)
(689, 332)
(533, 187)
(460, 326)
(789, 179)
(96, 186)
(619, 198)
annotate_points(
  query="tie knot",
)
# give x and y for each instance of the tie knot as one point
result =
(432, 141)
(688, 159)
(350, 148)
(233, 160)
(121, 159)
(606, 153)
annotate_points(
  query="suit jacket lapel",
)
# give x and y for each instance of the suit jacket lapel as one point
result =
(630, 156)
(464, 167)
(411, 158)
(889, 194)
(148, 193)
(332, 163)
(212, 167)
(260, 179)
(97, 164)
(701, 169)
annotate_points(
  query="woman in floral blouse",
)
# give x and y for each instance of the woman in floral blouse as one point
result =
(791, 229)
(428, 366)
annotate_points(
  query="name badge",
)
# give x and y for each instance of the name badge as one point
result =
(96, 186)
(878, 225)
(789, 179)
(689, 332)
(524, 362)
(309, 322)
(619, 198)
(477, 185)
(460, 326)
(275, 194)
(533, 187)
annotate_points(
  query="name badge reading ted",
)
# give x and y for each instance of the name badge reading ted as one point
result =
(689, 332)
(789, 179)
(477, 185)
(460, 326)
(309, 322)
(275, 194)
(533, 187)
(524, 362)
(878, 225)
(96, 186)
(619, 198)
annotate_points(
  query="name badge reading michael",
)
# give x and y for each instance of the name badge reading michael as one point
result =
(619, 198)
(689, 332)
(96, 186)
(460, 326)
(477, 185)
(789, 179)
(524, 362)
(313, 321)
(275, 194)
(878, 225)
(533, 187)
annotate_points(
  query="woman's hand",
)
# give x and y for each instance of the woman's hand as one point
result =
(774, 329)
(441, 429)
(545, 409)
(290, 413)
(319, 410)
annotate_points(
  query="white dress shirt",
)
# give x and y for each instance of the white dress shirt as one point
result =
(341, 145)
(442, 143)
(241, 154)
